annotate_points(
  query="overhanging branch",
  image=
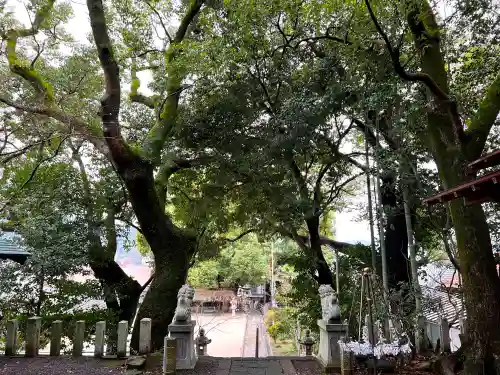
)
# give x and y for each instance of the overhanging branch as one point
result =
(24, 69)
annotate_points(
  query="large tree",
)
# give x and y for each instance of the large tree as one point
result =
(68, 93)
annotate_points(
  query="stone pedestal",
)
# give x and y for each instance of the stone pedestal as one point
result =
(329, 350)
(184, 335)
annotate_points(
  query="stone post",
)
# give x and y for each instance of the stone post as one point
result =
(55, 338)
(184, 334)
(329, 350)
(346, 361)
(78, 338)
(145, 336)
(444, 333)
(33, 336)
(121, 349)
(169, 355)
(100, 336)
(11, 339)
(420, 335)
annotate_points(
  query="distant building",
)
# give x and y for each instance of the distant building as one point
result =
(9, 249)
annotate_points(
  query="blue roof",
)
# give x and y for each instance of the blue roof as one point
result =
(10, 250)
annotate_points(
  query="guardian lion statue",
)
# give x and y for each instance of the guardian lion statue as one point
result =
(184, 301)
(329, 306)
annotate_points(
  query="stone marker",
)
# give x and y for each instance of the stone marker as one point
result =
(444, 331)
(11, 339)
(420, 335)
(78, 338)
(55, 338)
(145, 336)
(121, 349)
(33, 336)
(100, 335)
(169, 355)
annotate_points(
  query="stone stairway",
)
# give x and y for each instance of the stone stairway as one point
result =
(256, 366)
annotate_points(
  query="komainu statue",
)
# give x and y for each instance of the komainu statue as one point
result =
(184, 301)
(329, 305)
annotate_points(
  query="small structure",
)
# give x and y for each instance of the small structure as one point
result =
(10, 250)
(213, 300)
(308, 343)
(201, 342)
(479, 190)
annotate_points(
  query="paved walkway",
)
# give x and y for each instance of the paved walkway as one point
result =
(226, 332)
(255, 320)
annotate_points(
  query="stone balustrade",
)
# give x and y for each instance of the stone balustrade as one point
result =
(179, 351)
(32, 340)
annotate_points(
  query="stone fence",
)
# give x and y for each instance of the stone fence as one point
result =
(32, 340)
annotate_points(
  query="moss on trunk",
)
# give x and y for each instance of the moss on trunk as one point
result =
(450, 148)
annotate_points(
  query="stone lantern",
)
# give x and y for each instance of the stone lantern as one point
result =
(201, 342)
(308, 343)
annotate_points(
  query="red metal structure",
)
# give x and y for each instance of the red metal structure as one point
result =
(483, 189)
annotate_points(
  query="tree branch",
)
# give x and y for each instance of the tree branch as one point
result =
(160, 19)
(168, 110)
(240, 236)
(426, 79)
(299, 179)
(480, 126)
(22, 68)
(146, 284)
(74, 123)
(111, 102)
(193, 9)
(135, 83)
(317, 187)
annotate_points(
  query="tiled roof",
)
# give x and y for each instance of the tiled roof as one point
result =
(438, 304)
(10, 250)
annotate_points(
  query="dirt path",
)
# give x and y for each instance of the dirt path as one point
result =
(55, 366)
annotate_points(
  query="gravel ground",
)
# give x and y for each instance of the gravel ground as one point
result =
(55, 366)
(307, 367)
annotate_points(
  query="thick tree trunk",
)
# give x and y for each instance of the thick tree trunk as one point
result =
(396, 240)
(451, 148)
(161, 299)
(172, 250)
(324, 272)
